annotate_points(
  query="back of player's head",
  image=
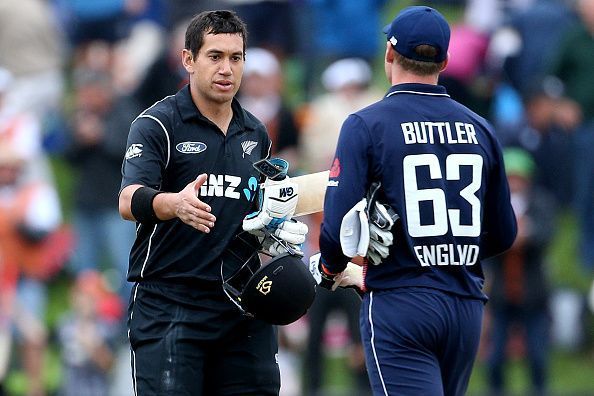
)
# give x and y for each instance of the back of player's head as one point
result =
(213, 22)
(421, 36)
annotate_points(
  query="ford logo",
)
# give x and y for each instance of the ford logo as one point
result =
(190, 147)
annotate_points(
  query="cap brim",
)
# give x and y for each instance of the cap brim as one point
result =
(386, 28)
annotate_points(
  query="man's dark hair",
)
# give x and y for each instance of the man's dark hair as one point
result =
(420, 67)
(213, 22)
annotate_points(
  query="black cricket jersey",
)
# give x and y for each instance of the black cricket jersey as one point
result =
(169, 145)
(441, 169)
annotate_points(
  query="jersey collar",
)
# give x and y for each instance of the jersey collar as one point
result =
(188, 110)
(417, 89)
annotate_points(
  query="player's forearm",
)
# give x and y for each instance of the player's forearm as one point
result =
(163, 204)
(333, 258)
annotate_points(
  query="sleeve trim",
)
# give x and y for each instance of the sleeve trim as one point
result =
(166, 135)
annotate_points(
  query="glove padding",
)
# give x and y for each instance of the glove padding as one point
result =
(351, 277)
(381, 220)
(354, 231)
(278, 200)
(291, 233)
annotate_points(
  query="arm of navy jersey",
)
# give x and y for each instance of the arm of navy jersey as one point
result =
(499, 221)
(347, 185)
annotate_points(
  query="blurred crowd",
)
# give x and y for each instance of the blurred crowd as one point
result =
(75, 73)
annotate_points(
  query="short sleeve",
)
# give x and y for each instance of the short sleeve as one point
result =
(147, 153)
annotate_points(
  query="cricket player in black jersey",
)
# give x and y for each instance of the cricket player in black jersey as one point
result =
(188, 182)
(441, 171)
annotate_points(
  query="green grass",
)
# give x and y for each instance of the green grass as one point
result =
(570, 374)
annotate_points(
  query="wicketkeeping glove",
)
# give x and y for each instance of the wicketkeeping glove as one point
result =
(354, 231)
(381, 220)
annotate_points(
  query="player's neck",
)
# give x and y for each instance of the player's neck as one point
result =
(219, 113)
(404, 77)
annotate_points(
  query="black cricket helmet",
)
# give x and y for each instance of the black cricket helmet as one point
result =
(278, 292)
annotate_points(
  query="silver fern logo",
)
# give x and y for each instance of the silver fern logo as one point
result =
(248, 146)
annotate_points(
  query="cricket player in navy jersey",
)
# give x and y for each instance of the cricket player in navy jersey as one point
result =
(188, 182)
(441, 172)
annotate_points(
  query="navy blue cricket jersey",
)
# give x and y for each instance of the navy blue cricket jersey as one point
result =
(442, 171)
(169, 145)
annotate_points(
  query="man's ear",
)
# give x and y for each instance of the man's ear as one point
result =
(445, 63)
(390, 53)
(188, 60)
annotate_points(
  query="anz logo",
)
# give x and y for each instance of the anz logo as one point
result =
(226, 185)
(190, 147)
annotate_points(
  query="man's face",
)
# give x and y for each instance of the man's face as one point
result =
(216, 71)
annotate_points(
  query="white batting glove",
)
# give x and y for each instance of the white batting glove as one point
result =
(291, 232)
(278, 200)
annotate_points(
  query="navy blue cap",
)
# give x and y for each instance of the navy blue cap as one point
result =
(418, 25)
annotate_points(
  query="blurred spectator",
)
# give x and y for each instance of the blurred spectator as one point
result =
(345, 28)
(521, 51)
(99, 21)
(87, 335)
(468, 47)
(32, 49)
(548, 143)
(339, 29)
(22, 131)
(261, 95)
(574, 65)
(99, 128)
(165, 76)
(270, 23)
(537, 32)
(139, 49)
(29, 218)
(179, 11)
(348, 88)
(519, 292)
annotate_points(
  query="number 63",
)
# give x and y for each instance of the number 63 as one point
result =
(443, 217)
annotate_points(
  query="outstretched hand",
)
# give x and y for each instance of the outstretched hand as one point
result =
(191, 210)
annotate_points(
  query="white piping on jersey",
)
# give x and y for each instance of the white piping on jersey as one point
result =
(148, 251)
(418, 93)
(134, 386)
(144, 115)
(166, 135)
(132, 354)
(269, 150)
(379, 371)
